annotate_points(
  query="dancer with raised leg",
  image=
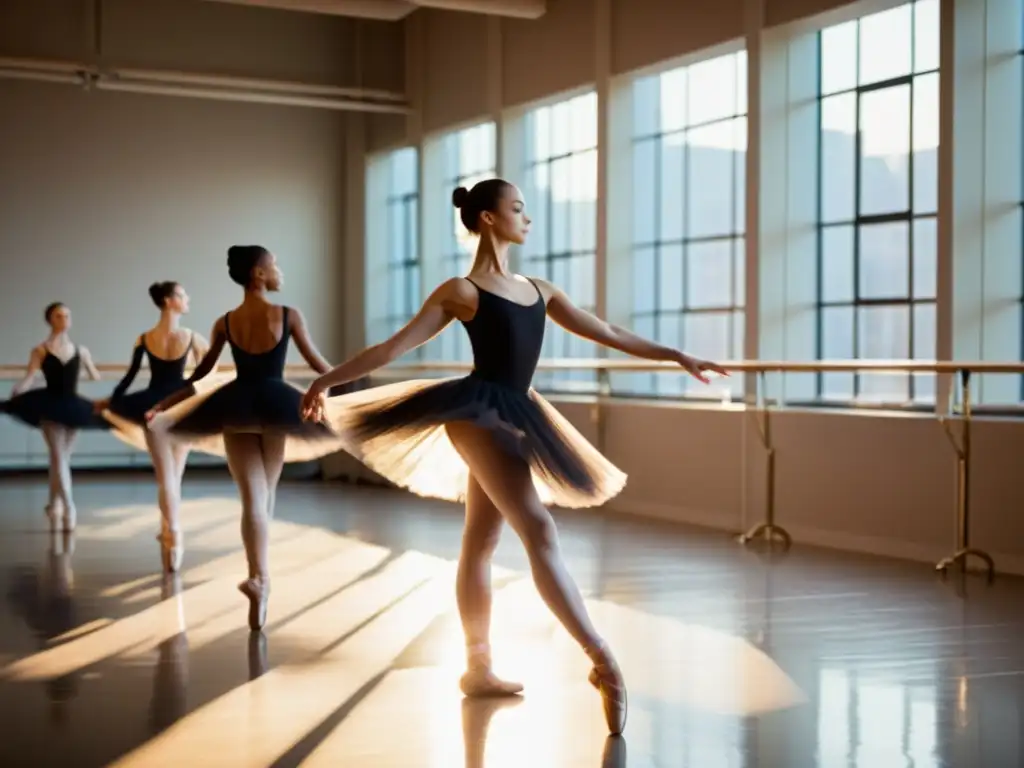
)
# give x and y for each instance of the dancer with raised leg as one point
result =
(253, 419)
(490, 439)
(167, 348)
(57, 409)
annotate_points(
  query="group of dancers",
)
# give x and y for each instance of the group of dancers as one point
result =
(487, 438)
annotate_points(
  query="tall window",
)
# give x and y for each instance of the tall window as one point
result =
(561, 198)
(689, 155)
(879, 135)
(403, 238)
(468, 158)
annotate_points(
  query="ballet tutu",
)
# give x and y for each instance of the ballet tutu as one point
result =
(398, 431)
(39, 406)
(253, 406)
(127, 414)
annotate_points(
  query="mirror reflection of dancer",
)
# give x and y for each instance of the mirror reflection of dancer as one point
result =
(253, 419)
(57, 409)
(516, 450)
(168, 349)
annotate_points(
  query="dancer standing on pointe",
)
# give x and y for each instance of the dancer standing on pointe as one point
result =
(168, 348)
(488, 437)
(57, 409)
(253, 420)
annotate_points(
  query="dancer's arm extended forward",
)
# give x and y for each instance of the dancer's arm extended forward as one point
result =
(582, 323)
(446, 302)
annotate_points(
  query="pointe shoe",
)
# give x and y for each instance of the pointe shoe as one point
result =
(607, 679)
(258, 591)
(480, 682)
(172, 550)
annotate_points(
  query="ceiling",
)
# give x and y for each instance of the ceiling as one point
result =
(393, 10)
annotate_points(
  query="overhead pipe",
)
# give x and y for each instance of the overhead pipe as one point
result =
(215, 87)
(248, 96)
(278, 86)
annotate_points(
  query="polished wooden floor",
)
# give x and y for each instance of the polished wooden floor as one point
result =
(815, 658)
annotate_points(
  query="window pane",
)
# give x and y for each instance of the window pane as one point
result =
(741, 82)
(710, 176)
(539, 134)
(837, 279)
(673, 100)
(885, 45)
(451, 157)
(645, 105)
(583, 122)
(883, 332)
(707, 334)
(837, 344)
(583, 191)
(670, 278)
(838, 148)
(561, 276)
(669, 334)
(709, 278)
(926, 35)
(396, 292)
(924, 349)
(540, 190)
(561, 189)
(884, 268)
(740, 175)
(712, 90)
(839, 57)
(885, 146)
(926, 143)
(643, 280)
(670, 187)
(644, 190)
(739, 256)
(561, 128)
(581, 270)
(396, 236)
(403, 171)
(925, 258)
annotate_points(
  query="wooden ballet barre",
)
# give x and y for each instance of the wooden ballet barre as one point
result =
(769, 530)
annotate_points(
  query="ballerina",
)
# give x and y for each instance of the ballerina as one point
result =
(488, 438)
(253, 420)
(57, 409)
(168, 348)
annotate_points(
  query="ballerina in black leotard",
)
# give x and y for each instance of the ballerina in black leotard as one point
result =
(254, 418)
(488, 437)
(168, 349)
(57, 409)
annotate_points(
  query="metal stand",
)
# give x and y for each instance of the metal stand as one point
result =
(962, 447)
(767, 530)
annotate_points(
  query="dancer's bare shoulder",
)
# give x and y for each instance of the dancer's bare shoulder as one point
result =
(457, 296)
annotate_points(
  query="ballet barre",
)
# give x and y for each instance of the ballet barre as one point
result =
(959, 409)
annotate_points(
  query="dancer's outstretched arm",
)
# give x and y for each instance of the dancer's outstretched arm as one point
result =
(127, 379)
(90, 367)
(205, 367)
(580, 322)
(35, 362)
(451, 299)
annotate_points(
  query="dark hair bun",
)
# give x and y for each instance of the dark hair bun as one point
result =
(460, 197)
(160, 292)
(242, 259)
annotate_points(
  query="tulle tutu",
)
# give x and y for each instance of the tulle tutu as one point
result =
(398, 431)
(127, 414)
(40, 405)
(246, 406)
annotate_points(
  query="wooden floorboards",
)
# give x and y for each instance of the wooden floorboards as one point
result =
(733, 658)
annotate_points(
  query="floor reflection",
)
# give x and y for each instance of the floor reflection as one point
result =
(731, 660)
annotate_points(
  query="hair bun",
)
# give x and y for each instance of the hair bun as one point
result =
(460, 197)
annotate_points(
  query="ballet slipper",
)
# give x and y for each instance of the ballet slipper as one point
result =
(258, 591)
(172, 549)
(479, 681)
(607, 679)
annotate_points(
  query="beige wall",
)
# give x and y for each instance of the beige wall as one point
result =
(103, 192)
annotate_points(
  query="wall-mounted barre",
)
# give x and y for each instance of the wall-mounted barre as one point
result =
(759, 404)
